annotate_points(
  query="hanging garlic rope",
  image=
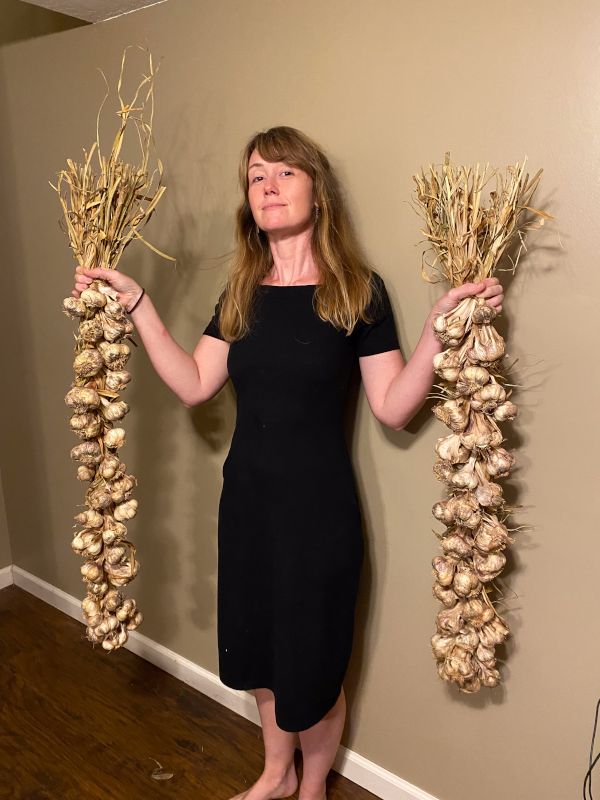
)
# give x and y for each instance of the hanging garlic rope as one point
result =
(103, 213)
(468, 240)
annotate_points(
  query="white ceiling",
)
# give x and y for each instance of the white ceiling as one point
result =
(95, 10)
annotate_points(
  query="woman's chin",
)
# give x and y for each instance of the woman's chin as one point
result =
(275, 231)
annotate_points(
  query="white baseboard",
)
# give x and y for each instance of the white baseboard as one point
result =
(351, 765)
(6, 576)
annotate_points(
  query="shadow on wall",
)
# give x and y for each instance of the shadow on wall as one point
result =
(22, 457)
(21, 20)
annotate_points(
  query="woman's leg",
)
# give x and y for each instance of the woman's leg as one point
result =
(319, 748)
(279, 777)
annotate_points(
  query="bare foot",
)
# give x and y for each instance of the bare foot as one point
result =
(266, 788)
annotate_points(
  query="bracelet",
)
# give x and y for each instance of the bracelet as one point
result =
(137, 301)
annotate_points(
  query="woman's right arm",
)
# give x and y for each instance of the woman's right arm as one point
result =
(193, 378)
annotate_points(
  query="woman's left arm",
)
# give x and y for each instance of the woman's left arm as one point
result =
(395, 390)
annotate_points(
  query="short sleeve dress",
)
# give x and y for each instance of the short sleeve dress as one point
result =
(290, 544)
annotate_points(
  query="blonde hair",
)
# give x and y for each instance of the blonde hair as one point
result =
(346, 287)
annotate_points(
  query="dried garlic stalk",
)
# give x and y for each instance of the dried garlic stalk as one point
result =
(103, 213)
(468, 239)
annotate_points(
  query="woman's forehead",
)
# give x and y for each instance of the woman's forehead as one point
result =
(257, 158)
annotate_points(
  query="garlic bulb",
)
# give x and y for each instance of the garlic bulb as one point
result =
(477, 612)
(85, 473)
(484, 314)
(99, 498)
(443, 470)
(86, 425)
(115, 356)
(458, 544)
(465, 477)
(506, 411)
(91, 330)
(92, 298)
(136, 621)
(82, 399)
(90, 518)
(499, 461)
(450, 620)
(117, 379)
(87, 363)
(92, 571)
(113, 600)
(489, 566)
(481, 431)
(452, 326)
(112, 329)
(445, 595)
(99, 361)
(471, 378)
(444, 570)
(109, 466)
(114, 438)
(488, 345)
(454, 413)
(491, 535)
(488, 398)
(114, 411)
(87, 452)
(114, 310)
(126, 510)
(450, 448)
(121, 489)
(466, 581)
(74, 307)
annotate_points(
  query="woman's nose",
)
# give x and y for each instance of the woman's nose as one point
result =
(269, 186)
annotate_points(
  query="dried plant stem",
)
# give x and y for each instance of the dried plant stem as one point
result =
(103, 212)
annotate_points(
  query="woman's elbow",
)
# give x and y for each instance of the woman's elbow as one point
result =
(392, 424)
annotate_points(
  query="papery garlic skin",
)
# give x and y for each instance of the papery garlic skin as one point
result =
(110, 561)
(470, 461)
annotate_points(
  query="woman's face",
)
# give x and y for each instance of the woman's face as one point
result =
(280, 196)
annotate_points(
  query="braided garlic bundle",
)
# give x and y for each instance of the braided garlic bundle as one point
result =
(468, 234)
(100, 359)
(471, 459)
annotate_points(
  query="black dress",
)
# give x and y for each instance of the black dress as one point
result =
(290, 543)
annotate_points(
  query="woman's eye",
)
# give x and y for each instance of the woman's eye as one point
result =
(256, 177)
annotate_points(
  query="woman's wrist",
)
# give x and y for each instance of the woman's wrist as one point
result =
(429, 334)
(136, 303)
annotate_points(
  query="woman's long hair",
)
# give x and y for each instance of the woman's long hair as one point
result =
(346, 287)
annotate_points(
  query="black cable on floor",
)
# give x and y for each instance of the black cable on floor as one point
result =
(588, 774)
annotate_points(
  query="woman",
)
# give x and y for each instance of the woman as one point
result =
(300, 312)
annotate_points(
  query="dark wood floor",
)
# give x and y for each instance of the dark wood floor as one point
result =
(77, 723)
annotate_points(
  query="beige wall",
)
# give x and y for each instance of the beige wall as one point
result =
(386, 87)
(5, 554)
(20, 20)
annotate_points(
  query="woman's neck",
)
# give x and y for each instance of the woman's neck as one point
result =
(293, 260)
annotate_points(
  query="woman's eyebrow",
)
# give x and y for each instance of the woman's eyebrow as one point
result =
(256, 164)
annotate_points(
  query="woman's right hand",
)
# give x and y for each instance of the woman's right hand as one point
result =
(128, 289)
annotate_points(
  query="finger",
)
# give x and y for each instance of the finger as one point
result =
(466, 290)
(98, 272)
(491, 291)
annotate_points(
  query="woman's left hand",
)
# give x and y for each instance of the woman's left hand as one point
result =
(489, 288)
